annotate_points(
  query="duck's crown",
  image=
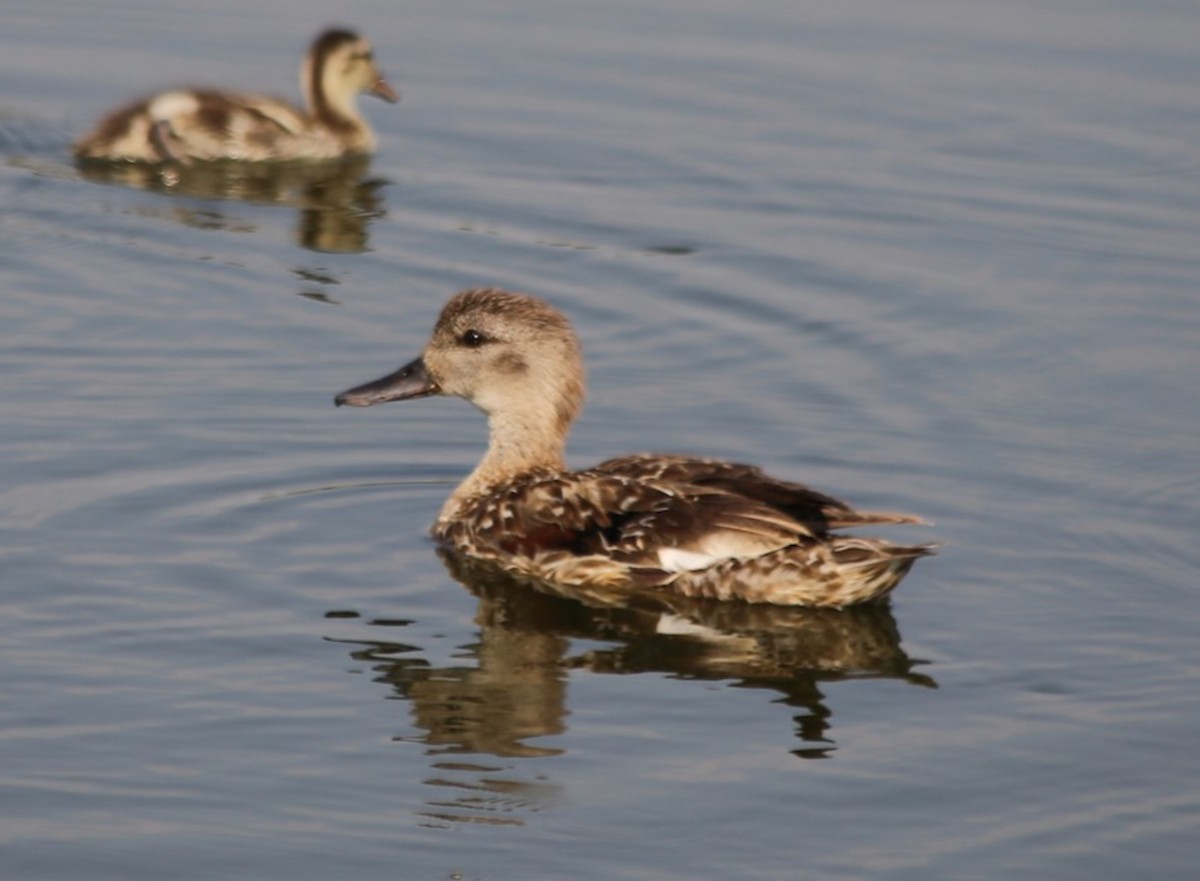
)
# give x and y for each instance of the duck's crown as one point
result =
(508, 352)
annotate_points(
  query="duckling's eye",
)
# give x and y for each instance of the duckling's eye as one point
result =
(472, 339)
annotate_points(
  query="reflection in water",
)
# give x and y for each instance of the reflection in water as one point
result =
(511, 686)
(336, 199)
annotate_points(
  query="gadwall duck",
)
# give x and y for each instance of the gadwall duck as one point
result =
(205, 124)
(702, 527)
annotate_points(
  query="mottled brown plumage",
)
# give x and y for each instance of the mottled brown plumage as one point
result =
(701, 527)
(183, 125)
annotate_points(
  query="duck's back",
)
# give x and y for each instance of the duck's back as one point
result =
(817, 512)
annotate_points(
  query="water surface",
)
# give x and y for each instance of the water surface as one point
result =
(930, 257)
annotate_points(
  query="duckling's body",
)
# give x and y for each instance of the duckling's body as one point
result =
(702, 527)
(207, 124)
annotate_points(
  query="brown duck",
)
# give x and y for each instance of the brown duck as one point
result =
(702, 527)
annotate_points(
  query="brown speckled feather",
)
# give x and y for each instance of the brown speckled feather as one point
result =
(625, 517)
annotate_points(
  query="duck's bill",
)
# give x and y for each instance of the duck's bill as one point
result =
(383, 89)
(410, 381)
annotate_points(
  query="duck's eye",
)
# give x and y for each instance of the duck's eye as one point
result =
(472, 339)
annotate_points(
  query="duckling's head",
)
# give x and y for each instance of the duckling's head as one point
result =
(511, 355)
(338, 67)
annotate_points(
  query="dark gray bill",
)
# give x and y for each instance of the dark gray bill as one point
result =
(410, 381)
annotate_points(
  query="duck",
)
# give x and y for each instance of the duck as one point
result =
(700, 527)
(185, 125)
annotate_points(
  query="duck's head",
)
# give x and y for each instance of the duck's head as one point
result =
(338, 67)
(511, 355)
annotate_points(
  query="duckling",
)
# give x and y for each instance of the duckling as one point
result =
(701, 527)
(205, 124)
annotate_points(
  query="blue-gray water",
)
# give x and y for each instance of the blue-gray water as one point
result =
(926, 256)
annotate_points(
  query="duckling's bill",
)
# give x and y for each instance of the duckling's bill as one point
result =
(383, 89)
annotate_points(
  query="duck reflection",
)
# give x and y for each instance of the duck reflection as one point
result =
(336, 199)
(511, 687)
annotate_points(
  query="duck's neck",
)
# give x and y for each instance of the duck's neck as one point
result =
(329, 101)
(518, 444)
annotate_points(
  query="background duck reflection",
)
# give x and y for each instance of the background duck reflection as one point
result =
(335, 201)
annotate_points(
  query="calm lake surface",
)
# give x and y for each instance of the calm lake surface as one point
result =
(926, 256)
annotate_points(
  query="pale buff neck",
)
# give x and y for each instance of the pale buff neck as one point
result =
(518, 443)
(338, 98)
(330, 97)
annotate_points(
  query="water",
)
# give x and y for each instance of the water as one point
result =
(939, 258)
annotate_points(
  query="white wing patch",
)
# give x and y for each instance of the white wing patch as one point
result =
(679, 560)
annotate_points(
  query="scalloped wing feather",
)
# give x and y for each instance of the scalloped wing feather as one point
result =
(628, 521)
(819, 513)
